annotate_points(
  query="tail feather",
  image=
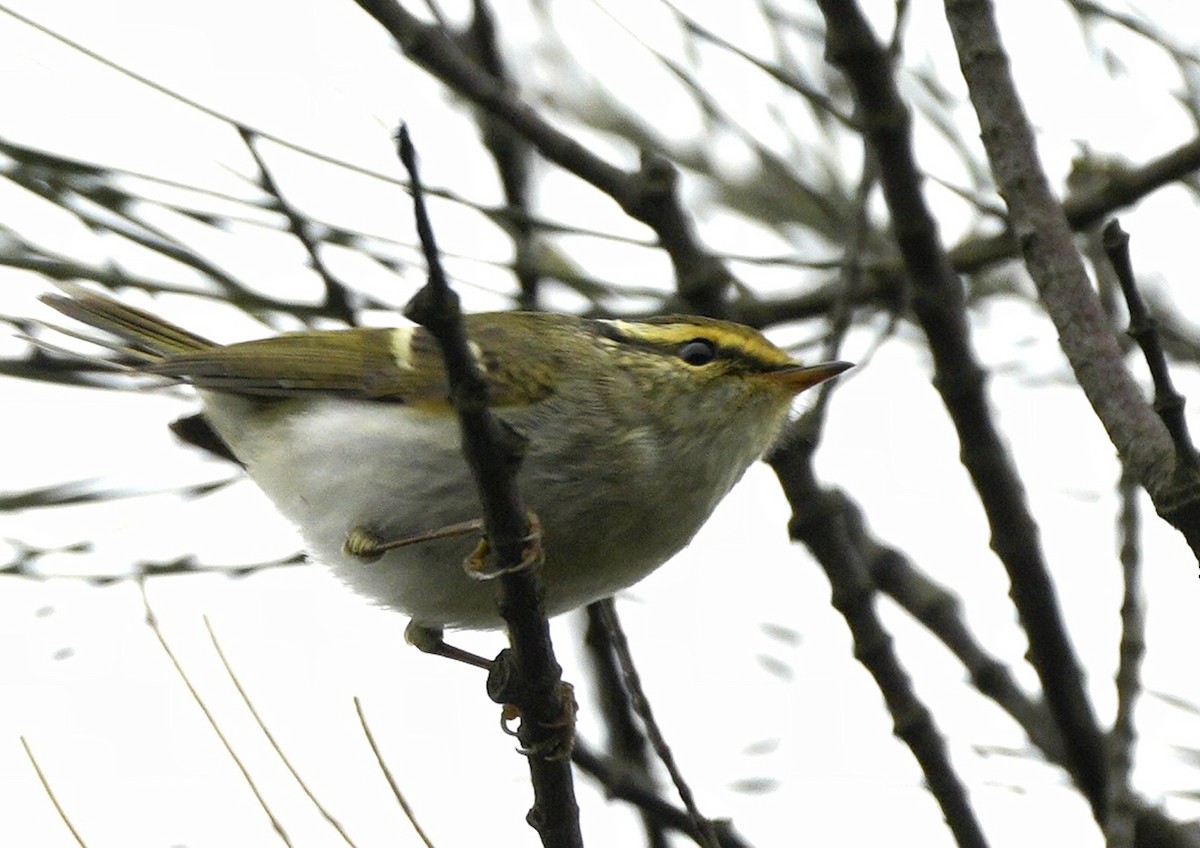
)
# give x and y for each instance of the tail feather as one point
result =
(146, 332)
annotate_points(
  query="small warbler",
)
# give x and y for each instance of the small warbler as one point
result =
(636, 430)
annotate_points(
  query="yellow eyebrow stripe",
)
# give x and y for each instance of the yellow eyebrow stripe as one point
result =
(746, 342)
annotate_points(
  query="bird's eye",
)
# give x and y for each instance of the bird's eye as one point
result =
(697, 352)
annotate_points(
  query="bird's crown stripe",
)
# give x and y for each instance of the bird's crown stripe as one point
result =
(667, 336)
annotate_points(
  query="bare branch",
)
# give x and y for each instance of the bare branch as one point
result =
(62, 814)
(939, 304)
(620, 783)
(387, 774)
(336, 298)
(648, 194)
(626, 740)
(262, 725)
(152, 621)
(1168, 403)
(817, 523)
(1044, 235)
(527, 674)
(641, 706)
(1120, 823)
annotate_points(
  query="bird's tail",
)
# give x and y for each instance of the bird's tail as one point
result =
(149, 338)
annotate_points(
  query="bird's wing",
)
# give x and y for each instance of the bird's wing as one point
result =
(398, 365)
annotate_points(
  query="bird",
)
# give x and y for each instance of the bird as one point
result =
(635, 430)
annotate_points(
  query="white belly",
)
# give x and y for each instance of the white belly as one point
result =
(397, 471)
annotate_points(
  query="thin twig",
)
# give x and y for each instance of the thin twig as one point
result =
(195, 104)
(1168, 403)
(821, 103)
(1120, 824)
(649, 194)
(778, 190)
(61, 268)
(25, 565)
(387, 773)
(152, 621)
(122, 222)
(641, 706)
(83, 174)
(62, 814)
(237, 684)
(618, 782)
(626, 740)
(842, 312)
(92, 491)
(511, 154)
(1133, 23)
(337, 300)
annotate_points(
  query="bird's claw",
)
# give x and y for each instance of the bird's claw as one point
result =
(479, 566)
(558, 744)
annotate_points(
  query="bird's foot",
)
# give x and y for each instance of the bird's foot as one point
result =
(480, 566)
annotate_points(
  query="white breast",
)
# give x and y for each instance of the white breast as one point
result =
(333, 464)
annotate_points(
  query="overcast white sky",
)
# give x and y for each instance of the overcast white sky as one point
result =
(786, 737)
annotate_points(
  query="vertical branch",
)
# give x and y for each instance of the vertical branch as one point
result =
(512, 155)
(1044, 236)
(1120, 822)
(526, 675)
(939, 304)
(1168, 403)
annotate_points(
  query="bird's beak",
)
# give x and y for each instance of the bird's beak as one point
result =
(803, 377)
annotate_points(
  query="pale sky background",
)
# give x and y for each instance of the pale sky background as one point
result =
(126, 749)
